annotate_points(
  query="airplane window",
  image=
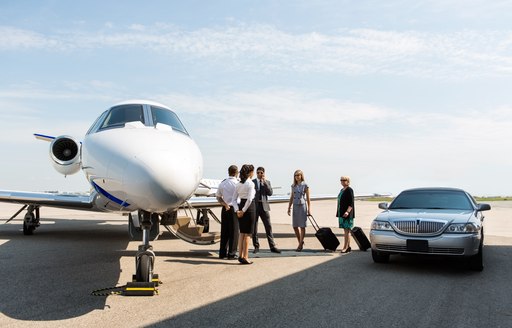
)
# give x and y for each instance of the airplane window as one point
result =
(94, 126)
(165, 116)
(120, 115)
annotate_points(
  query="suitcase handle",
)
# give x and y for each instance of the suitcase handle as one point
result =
(313, 222)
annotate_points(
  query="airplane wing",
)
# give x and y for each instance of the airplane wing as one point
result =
(209, 201)
(207, 187)
(200, 202)
(67, 201)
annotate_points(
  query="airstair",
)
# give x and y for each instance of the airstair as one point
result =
(195, 231)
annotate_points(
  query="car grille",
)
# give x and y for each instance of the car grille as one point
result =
(413, 227)
(431, 250)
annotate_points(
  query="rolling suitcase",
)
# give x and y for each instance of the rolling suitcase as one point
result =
(360, 238)
(325, 235)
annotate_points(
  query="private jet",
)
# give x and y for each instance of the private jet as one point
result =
(140, 161)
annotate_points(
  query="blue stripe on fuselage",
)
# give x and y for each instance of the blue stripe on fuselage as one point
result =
(109, 196)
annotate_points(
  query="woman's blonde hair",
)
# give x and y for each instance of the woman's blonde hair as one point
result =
(301, 176)
(345, 178)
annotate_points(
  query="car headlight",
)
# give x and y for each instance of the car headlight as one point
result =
(463, 228)
(381, 225)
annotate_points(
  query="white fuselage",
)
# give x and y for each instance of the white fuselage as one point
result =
(139, 167)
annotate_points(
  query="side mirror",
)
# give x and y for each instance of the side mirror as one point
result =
(383, 206)
(483, 207)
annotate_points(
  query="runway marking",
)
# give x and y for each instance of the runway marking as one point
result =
(113, 223)
(3, 241)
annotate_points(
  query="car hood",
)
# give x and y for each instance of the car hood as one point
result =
(449, 216)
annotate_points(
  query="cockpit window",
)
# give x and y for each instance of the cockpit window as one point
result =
(94, 126)
(119, 115)
(165, 116)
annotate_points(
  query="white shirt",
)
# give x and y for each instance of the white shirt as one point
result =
(244, 190)
(226, 190)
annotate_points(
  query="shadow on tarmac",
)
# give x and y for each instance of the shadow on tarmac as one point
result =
(347, 291)
(47, 281)
(352, 291)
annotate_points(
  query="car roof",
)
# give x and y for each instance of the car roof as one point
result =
(435, 189)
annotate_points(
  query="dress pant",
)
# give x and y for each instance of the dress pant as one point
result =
(229, 233)
(265, 218)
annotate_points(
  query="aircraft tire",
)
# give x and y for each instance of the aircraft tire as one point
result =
(28, 226)
(144, 269)
(28, 229)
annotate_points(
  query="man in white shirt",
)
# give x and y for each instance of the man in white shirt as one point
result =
(229, 232)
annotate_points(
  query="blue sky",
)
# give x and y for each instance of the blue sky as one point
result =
(395, 94)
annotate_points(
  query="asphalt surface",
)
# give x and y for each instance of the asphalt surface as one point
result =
(47, 279)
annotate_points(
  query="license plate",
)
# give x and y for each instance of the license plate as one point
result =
(414, 245)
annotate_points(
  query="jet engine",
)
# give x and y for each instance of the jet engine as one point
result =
(65, 155)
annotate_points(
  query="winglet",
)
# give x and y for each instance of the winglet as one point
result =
(43, 137)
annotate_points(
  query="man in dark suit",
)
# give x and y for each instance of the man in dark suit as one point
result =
(263, 190)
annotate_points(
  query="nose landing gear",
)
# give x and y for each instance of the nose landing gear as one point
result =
(144, 280)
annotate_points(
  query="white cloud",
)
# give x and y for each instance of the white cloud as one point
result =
(138, 27)
(12, 38)
(459, 54)
(65, 90)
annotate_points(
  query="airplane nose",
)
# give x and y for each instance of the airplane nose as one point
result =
(163, 180)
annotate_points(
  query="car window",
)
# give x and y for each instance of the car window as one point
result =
(167, 117)
(120, 115)
(437, 199)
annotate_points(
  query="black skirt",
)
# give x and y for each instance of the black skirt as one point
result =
(246, 222)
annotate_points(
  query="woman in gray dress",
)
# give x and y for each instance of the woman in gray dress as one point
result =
(299, 197)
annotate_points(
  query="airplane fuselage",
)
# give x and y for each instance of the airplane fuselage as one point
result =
(136, 165)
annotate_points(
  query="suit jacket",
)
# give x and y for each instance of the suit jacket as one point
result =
(265, 190)
(347, 199)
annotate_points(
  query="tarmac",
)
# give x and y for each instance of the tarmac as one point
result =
(48, 278)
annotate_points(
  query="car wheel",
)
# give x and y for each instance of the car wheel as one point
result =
(476, 262)
(379, 257)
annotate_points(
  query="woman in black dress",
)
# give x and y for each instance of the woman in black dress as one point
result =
(246, 210)
(345, 211)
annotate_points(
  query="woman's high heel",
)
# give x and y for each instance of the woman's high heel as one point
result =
(245, 261)
(299, 249)
(348, 250)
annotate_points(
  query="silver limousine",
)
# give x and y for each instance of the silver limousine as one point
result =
(433, 221)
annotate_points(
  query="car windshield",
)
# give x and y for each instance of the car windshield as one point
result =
(120, 115)
(432, 199)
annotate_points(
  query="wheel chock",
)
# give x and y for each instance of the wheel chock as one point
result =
(140, 289)
(136, 288)
(133, 288)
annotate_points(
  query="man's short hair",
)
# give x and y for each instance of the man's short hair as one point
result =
(261, 168)
(232, 170)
